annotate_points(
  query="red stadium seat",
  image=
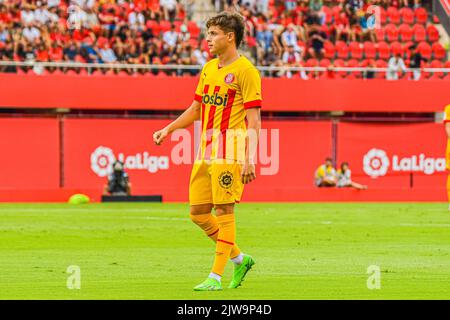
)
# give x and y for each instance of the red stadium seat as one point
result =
(353, 63)
(407, 15)
(396, 48)
(438, 51)
(381, 64)
(380, 33)
(356, 50)
(165, 25)
(425, 74)
(406, 32)
(339, 63)
(432, 33)
(437, 64)
(335, 11)
(419, 32)
(330, 50)
(193, 29)
(394, 15)
(312, 62)
(447, 64)
(383, 15)
(154, 26)
(367, 62)
(383, 50)
(424, 49)
(406, 49)
(328, 14)
(324, 63)
(391, 32)
(421, 15)
(370, 50)
(342, 49)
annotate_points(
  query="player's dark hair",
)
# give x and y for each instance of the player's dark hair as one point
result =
(229, 22)
(343, 164)
(328, 159)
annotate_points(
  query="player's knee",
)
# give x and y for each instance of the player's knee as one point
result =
(222, 209)
(201, 209)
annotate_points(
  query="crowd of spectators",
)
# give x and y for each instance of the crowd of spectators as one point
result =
(278, 33)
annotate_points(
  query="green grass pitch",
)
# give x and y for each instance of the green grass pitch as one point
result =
(153, 251)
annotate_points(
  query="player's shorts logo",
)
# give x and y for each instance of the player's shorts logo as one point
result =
(376, 163)
(229, 78)
(226, 179)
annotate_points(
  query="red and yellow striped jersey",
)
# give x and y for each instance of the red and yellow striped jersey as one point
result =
(224, 94)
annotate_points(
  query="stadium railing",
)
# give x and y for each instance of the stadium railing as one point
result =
(39, 67)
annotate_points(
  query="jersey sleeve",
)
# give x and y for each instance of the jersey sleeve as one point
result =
(251, 88)
(447, 114)
(199, 90)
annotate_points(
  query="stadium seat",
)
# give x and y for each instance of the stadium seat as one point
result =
(380, 33)
(396, 48)
(447, 64)
(384, 51)
(312, 62)
(438, 51)
(419, 32)
(342, 49)
(380, 64)
(421, 15)
(406, 49)
(330, 50)
(123, 73)
(353, 63)
(335, 11)
(328, 14)
(339, 63)
(370, 51)
(394, 15)
(406, 32)
(193, 29)
(324, 63)
(407, 15)
(356, 50)
(154, 26)
(83, 72)
(165, 25)
(432, 33)
(383, 15)
(425, 74)
(437, 64)
(71, 73)
(424, 49)
(391, 32)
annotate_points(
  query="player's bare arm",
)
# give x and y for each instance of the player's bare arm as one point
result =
(254, 126)
(184, 120)
(447, 129)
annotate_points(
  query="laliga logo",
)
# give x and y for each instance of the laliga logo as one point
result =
(375, 163)
(103, 157)
(101, 160)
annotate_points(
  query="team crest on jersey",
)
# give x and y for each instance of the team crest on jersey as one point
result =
(226, 179)
(229, 78)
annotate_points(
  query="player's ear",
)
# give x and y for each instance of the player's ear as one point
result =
(230, 36)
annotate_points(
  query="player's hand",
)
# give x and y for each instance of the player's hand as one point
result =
(248, 173)
(159, 136)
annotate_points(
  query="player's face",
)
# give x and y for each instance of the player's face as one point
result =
(218, 41)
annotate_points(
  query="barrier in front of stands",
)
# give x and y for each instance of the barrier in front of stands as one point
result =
(143, 93)
(399, 162)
